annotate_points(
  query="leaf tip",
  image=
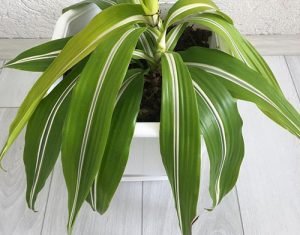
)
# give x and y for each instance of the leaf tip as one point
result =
(1, 158)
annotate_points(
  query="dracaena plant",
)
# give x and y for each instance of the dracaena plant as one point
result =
(89, 116)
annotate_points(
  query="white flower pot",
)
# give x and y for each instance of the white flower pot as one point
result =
(144, 161)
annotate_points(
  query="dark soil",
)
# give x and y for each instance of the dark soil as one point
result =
(151, 101)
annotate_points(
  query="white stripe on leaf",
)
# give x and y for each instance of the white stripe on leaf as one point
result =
(91, 115)
(187, 8)
(175, 89)
(232, 78)
(50, 55)
(45, 136)
(221, 127)
(229, 36)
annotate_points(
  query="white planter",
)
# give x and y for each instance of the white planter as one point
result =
(144, 161)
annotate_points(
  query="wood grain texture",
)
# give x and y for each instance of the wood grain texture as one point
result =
(159, 215)
(123, 216)
(15, 217)
(293, 63)
(14, 86)
(269, 185)
(271, 45)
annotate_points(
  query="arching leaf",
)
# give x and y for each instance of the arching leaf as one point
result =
(106, 24)
(118, 144)
(246, 84)
(38, 59)
(44, 134)
(221, 127)
(89, 117)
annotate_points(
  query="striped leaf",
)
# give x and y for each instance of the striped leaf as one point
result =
(221, 126)
(246, 84)
(118, 144)
(141, 55)
(89, 117)
(102, 4)
(185, 8)
(174, 35)
(180, 138)
(238, 45)
(105, 25)
(38, 59)
(43, 135)
(147, 43)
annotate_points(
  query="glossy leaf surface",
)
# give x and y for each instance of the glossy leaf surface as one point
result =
(89, 118)
(246, 84)
(180, 138)
(118, 144)
(221, 126)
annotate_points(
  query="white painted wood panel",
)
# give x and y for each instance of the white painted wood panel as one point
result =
(159, 215)
(14, 86)
(293, 63)
(123, 217)
(269, 185)
(270, 45)
(15, 217)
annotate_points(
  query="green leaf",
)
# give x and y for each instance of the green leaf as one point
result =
(221, 126)
(43, 135)
(118, 144)
(89, 117)
(105, 25)
(38, 59)
(180, 138)
(102, 4)
(246, 84)
(147, 43)
(185, 8)
(239, 46)
(141, 55)
(174, 35)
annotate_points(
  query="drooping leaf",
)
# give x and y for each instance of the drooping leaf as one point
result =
(104, 25)
(246, 84)
(118, 144)
(43, 135)
(38, 59)
(185, 8)
(180, 138)
(221, 127)
(89, 117)
(239, 46)
(102, 4)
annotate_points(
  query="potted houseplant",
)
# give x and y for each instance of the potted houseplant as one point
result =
(90, 114)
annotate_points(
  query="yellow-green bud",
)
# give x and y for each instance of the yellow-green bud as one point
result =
(150, 7)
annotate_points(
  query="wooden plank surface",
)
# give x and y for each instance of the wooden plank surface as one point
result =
(293, 63)
(123, 217)
(159, 215)
(15, 217)
(269, 183)
(272, 45)
(268, 188)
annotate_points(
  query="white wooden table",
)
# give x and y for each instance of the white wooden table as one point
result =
(266, 200)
